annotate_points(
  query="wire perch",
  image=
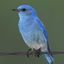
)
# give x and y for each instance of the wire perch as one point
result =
(31, 53)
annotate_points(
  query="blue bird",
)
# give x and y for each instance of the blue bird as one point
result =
(33, 31)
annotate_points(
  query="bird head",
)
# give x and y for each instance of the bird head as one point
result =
(25, 10)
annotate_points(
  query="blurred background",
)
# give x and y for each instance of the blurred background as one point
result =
(51, 12)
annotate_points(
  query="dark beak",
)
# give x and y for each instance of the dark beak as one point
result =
(15, 10)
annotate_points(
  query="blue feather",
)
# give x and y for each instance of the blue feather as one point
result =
(42, 28)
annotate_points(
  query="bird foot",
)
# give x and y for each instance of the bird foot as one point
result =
(28, 52)
(37, 52)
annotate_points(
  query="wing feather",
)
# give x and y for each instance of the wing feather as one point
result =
(41, 25)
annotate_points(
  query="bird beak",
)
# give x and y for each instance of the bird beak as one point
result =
(16, 10)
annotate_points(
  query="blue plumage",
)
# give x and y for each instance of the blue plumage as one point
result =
(33, 31)
(43, 28)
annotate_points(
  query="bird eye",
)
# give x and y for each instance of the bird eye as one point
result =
(23, 9)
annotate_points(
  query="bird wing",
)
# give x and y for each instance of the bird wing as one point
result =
(41, 25)
(42, 28)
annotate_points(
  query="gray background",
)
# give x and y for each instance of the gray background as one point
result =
(51, 12)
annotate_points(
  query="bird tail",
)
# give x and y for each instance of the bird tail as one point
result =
(49, 58)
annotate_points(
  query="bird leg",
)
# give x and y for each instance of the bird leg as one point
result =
(37, 52)
(28, 52)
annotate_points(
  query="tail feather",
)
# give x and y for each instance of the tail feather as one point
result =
(49, 58)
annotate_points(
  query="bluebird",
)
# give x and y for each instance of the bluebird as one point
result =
(33, 31)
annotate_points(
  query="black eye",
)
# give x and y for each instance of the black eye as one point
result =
(23, 9)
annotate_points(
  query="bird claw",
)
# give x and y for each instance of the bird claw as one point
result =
(37, 52)
(28, 52)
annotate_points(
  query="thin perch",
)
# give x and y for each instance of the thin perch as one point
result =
(31, 53)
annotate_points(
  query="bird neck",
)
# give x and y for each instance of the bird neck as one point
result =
(24, 17)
